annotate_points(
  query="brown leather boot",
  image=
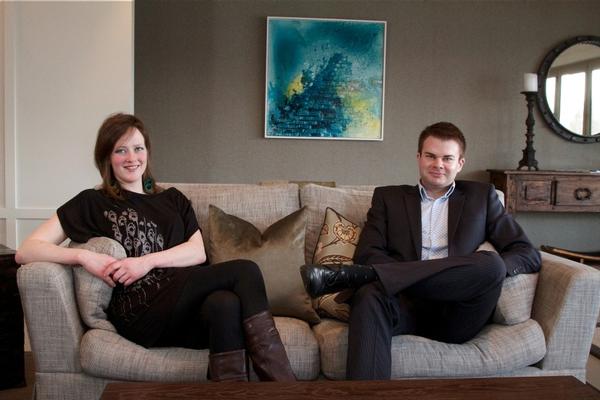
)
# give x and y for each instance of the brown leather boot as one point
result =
(266, 350)
(228, 366)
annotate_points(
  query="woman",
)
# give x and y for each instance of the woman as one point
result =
(156, 301)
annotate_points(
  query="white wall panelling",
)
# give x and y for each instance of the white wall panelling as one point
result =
(57, 86)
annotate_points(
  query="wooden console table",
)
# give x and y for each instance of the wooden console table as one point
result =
(548, 191)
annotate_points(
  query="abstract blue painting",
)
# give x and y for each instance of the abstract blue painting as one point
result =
(325, 78)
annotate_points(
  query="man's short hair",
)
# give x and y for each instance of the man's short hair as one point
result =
(444, 131)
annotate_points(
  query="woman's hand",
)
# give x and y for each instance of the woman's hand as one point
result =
(97, 264)
(128, 270)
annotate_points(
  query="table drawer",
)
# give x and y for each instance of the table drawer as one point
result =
(578, 192)
(534, 193)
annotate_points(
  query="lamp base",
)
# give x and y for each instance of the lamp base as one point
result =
(528, 159)
(526, 164)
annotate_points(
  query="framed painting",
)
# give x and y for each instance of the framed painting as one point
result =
(325, 79)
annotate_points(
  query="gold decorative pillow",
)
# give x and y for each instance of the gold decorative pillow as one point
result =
(278, 251)
(336, 245)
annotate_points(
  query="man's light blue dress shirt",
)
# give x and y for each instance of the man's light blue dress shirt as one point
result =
(434, 224)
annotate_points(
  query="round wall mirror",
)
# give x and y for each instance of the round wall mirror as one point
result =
(569, 89)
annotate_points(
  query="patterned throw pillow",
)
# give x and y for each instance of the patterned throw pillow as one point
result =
(336, 245)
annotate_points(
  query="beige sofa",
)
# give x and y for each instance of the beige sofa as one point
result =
(543, 325)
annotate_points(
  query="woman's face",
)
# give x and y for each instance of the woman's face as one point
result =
(129, 159)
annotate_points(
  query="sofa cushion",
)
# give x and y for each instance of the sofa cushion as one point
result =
(495, 350)
(279, 252)
(301, 347)
(108, 355)
(351, 203)
(93, 294)
(336, 245)
(261, 205)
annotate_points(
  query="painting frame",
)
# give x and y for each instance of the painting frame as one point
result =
(325, 79)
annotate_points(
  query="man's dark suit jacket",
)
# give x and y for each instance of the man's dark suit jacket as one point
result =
(392, 232)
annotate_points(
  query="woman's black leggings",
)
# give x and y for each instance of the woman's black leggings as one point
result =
(213, 303)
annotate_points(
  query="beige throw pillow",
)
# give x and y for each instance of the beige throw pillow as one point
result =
(93, 294)
(516, 299)
(336, 245)
(278, 251)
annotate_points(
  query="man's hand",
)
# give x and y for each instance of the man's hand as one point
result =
(96, 264)
(127, 270)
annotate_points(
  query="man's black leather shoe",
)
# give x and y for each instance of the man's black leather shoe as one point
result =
(322, 279)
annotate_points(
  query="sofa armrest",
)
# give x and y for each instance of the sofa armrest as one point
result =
(50, 309)
(566, 305)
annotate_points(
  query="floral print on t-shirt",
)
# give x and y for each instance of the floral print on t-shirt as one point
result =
(138, 236)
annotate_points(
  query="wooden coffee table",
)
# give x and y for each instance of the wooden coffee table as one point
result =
(532, 388)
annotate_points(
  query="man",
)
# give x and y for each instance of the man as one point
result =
(422, 270)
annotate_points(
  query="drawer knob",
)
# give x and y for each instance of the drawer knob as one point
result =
(583, 194)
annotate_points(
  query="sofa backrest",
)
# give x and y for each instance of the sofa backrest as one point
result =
(264, 204)
(260, 205)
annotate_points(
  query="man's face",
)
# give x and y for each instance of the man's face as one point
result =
(439, 162)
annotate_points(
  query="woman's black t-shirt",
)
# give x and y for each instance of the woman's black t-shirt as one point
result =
(143, 224)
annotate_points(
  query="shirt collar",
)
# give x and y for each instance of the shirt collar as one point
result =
(425, 196)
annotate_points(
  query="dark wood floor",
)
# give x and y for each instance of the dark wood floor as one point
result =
(24, 393)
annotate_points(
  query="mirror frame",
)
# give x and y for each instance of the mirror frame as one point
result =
(542, 102)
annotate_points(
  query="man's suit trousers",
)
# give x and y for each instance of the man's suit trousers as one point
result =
(448, 299)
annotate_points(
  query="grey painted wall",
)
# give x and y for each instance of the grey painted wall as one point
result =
(199, 85)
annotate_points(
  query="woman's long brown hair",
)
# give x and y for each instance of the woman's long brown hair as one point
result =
(111, 130)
